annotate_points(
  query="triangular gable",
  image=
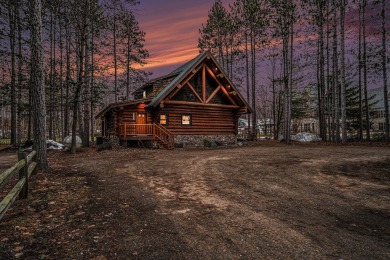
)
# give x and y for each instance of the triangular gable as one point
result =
(193, 89)
(219, 88)
(187, 93)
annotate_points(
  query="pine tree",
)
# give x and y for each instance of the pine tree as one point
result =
(213, 34)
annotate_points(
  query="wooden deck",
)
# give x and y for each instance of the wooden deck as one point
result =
(136, 137)
(143, 132)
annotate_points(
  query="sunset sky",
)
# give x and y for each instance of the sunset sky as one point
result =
(172, 31)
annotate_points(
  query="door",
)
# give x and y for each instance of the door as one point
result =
(141, 123)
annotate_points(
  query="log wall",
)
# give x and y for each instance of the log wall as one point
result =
(205, 120)
(123, 115)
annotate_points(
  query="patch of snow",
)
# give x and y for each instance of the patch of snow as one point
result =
(68, 141)
(306, 137)
(53, 145)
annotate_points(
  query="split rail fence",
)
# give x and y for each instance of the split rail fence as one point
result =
(26, 166)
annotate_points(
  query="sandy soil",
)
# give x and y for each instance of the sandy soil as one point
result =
(264, 201)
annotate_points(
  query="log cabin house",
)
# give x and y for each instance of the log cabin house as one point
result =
(195, 102)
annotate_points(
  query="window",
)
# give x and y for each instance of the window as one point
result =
(381, 113)
(144, 94)
(306, 127)
(132, 117)
(381, 126)
(163, 119)
(186, 119)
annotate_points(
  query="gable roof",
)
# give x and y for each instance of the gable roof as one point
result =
(170, 77)
(185, 70)
(174, 78)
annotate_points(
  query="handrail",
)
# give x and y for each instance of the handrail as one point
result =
(166, 131)
(157, 131)
(169, 141)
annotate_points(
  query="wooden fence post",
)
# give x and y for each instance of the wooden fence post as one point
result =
(23, 173)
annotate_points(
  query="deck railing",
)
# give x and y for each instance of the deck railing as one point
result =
(155, 131)
(127, 129)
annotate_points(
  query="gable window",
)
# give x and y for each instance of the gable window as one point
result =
(186, 119)
(164, 119)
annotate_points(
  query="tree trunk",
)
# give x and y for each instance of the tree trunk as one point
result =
(80, 72)
(254, 117)
(11, 19)
(54, 78)
(333, 102)
(360, 76)
(336, 75)
(37, 84)
(366, 106)
(20, 75)
(273, 68)
(384, 70)
(51, 102)
(29, 130)
(92, 84)
(286, 87)
(115, 62)
(87, 95)
(62, 80)
(321, 79)
(231, 59)
(290, 80)
(247, 77)
(67, 79)
(328, 90)
(128, 66)
(343, 84)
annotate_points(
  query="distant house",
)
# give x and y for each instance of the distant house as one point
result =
(263, 126)
(195, 102)
(378, 109)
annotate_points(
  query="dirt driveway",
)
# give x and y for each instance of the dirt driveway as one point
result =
(264, 201)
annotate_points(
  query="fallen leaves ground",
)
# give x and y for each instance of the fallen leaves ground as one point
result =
(264, 201)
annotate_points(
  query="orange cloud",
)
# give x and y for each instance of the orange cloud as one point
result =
(172, 31)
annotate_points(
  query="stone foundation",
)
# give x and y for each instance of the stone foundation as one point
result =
(205, 140)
